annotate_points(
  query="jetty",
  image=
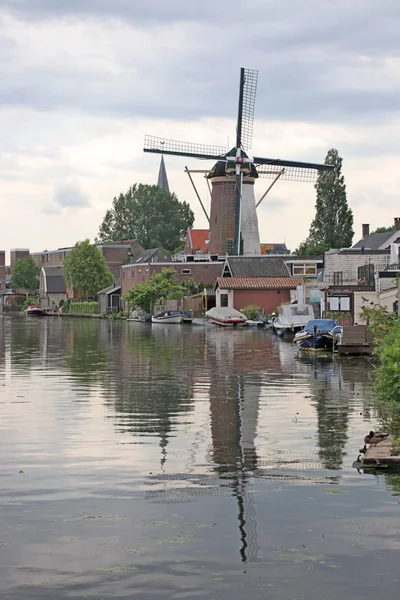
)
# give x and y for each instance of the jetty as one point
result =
(356, 340)
(386, 453)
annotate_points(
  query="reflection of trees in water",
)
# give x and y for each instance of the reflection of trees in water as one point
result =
(331, 400)
(25, 341)
(87, 350)
(149, 385)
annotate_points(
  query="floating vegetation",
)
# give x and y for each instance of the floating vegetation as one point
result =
(120, 569)
(334, 490)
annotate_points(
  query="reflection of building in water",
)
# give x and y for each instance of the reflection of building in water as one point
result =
(2, 342)
(234, 408)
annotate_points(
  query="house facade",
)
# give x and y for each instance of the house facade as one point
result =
(268, 293)
(115, 254)
(52, 288)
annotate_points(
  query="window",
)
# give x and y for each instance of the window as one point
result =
(186, 271)
(47, 257)
(123, 273)
(42, 257)
(60, 255)
(339, 303)
(304, 269)
(224, 300)
(338, 278)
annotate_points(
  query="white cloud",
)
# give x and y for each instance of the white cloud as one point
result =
(82, 82)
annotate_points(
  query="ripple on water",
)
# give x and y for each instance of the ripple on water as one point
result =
(173, 463)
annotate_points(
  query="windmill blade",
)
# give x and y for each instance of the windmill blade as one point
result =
(289, 173)
(159, 145)
(247, 102)
(292, 170)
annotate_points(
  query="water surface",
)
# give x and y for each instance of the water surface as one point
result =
(176, 462)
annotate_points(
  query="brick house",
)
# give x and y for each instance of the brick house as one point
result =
(154, 261)
(52, 288)
(265, 292)
(196, 241)
(115, 254)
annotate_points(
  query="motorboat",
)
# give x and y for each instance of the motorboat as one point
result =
(168, 317)
(319, 334)
(226, 317)
(250, 323)
(34, 311)
(292, 318)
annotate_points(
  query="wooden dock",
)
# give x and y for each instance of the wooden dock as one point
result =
(356, 340)
(384, 454)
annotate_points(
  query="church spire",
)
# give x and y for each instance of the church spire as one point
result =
(162, 176)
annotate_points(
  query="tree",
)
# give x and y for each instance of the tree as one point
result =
(86, 270)
(25, 275)
(382, 230)
(161, 285)
(149, 215)
(332, 226)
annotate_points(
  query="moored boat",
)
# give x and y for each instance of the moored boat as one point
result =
(168, 317)
(34, 311)
(250, 323)
(319, 334)
(226, 317)
(292, 318)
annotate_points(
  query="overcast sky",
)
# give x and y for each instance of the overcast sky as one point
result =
(82, 81)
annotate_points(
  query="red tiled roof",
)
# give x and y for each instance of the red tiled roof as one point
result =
(198, 238)
(259, 283)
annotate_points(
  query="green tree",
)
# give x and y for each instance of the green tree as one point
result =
(332, 226)
(86, 270)
(149, 215)
(161, 285)
(25, 275)
(382, 230)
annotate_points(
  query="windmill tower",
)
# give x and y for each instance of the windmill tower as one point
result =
(233, 217)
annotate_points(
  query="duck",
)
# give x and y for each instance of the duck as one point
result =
(374, 438)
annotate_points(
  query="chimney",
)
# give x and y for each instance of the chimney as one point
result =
(397, 223)
(365, 229)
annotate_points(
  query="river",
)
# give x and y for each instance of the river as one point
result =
(180, 462)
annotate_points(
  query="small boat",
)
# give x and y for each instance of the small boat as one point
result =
(319, 334)
(168, 317)
(250, 323)
(227, 317)
(34, 311)
(292, 318)
(201, 323)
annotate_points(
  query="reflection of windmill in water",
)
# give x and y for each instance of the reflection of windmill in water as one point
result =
(234, 407)
(233, 217)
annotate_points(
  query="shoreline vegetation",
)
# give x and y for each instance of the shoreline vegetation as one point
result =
(386, 376)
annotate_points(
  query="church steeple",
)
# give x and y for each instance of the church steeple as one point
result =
(162, 176)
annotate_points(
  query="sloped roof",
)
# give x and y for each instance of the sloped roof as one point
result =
(198, 239)
(55, 282)
(258, 266)
(162, 181)
(375, 240)
(147, 256)
(258, 283)
(111, 288)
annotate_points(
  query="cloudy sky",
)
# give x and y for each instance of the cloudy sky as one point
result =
(82, 81)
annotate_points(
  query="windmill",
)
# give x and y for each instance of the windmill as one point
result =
(233, 217)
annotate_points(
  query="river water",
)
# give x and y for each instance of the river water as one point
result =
(181, 462)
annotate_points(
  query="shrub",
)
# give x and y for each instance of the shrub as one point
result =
(83, 308)
(387, 380)
(251, 312)
(28, 301)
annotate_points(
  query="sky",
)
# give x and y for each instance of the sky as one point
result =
(82, 82)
